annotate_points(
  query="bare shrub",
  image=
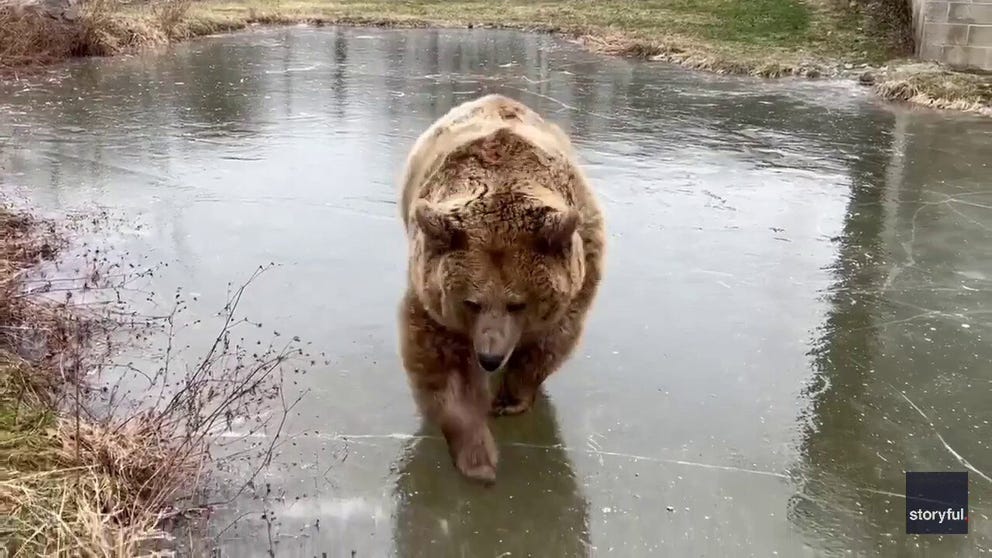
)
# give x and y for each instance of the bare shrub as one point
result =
(107, 30)
(170, 15)
(30, 37)
(75, 482)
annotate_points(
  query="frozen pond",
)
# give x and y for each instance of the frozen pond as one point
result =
(797, 306)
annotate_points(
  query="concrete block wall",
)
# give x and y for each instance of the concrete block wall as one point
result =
(958, 33)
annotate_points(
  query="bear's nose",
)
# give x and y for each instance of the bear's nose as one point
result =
(490, 362)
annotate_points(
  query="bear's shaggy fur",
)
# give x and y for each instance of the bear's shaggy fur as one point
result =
(506, 243)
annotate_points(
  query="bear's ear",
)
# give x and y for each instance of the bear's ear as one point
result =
(440, 229)
(555, 234)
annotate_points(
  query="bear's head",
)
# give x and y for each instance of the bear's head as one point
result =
(499, 268)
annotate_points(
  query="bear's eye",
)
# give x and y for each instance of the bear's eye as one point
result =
(472, 306)
(515, 307)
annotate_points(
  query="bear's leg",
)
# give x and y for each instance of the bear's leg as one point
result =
(527, 369)
(449, 391)
(458, 406)
(463, 420)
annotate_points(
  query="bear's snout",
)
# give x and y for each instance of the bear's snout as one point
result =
(490, 363)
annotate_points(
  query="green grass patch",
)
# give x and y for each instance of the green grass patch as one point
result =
(759, 22)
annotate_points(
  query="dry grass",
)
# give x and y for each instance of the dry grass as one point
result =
(70, 512)
(98, 493)
(690, 55)
(933, 86)
(28, 38)
(103, 28)
(76, 484)
(170, 17)
(106, 30)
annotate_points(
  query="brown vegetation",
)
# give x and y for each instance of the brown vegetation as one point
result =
(932, 86)
(888, 22)
(75, 483)
(31, 37)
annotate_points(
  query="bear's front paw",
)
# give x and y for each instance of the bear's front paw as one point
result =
(476, 458)
(505, 404)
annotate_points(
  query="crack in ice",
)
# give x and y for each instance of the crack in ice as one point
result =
(951, 450)
(590, 451)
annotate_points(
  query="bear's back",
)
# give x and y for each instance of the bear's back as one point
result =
(470, 122)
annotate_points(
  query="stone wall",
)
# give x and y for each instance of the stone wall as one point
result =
(958, 33)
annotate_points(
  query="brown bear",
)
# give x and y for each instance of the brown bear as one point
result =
(506, 244)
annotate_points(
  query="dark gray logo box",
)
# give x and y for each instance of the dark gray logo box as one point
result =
(937, 503)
